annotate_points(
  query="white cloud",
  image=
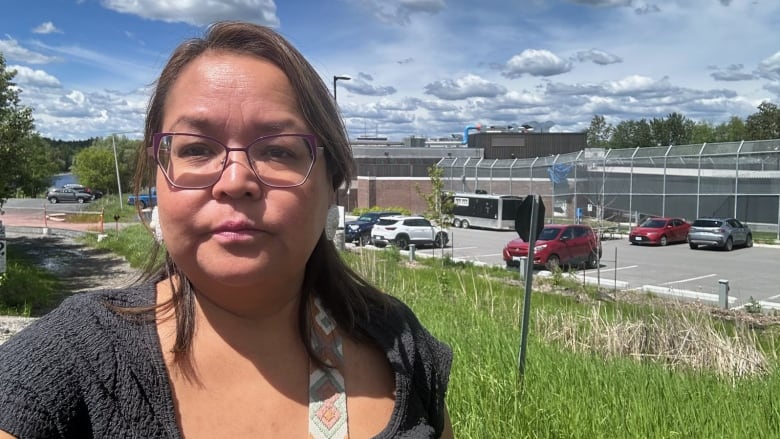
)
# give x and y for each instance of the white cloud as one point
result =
(400, 11)
(536, 63)
(465, 87)
(47, 28)
(12, 51)
(36, 78)
(770, 67)
(199, 13)
(598, 57)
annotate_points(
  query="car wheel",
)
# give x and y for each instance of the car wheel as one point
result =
(80, 200)
(440, 241)
(749, 242)
(364, 240)
(402, 242)
(553, 263)
(729, 245)
(693, 246)
(465, 224)
(592, 260)
(53, 200)
(143, 204)
(456, 223)
(664, 241)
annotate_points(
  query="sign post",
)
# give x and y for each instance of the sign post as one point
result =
(529, 221)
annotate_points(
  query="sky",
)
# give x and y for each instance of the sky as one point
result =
(424, 68)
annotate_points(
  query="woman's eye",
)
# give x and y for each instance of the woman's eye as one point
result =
(195, 150)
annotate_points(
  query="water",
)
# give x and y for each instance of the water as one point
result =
(62, 179)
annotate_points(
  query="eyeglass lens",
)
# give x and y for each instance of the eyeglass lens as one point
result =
(191, 161)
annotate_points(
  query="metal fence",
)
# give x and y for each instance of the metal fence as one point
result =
(735, 179)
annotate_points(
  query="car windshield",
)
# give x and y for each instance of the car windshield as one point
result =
(548, 233)
(387, 222)
(366, 218)
(653, 223)
(707, 223)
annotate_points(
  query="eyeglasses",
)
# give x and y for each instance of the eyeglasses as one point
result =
(194, 161)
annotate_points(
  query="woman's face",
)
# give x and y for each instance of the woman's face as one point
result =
(240, 233)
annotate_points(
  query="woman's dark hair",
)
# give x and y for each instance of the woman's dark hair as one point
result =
(344, 293)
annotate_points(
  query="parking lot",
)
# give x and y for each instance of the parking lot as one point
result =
(674, 270)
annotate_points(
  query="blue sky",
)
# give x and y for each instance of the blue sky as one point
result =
(418, 67)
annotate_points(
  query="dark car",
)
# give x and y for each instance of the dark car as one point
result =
(724, 233)
(359, 230)
(61, 194)
(558, 245)
(660, 231)
(81, 188)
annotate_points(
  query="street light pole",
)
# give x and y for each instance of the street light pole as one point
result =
(339, 237)
(336, 78)
(116, 165)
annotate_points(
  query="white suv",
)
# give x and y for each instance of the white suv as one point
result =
(405, 230)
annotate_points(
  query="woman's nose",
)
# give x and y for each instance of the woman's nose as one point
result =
(238, 178)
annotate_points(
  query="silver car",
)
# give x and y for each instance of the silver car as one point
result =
(724, 233)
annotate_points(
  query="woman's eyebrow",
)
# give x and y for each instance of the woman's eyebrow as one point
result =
(262, 128)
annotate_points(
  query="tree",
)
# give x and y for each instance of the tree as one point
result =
(94, 166)
(440, 204)
(765, 124)
(732, 131)
(16, 124)
(36, 165)
(599, 132)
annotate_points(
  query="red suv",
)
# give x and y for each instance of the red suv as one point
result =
(558, 245)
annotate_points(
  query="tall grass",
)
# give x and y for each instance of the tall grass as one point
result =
(583, 376)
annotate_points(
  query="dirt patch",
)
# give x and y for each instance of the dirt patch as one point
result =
(78, 266)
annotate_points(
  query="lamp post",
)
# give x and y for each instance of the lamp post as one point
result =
(336, 78)
(116, 165)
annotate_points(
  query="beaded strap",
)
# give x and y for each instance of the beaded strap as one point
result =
(327, 395)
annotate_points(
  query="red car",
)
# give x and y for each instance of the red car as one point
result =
(558, 245)
(660, 231)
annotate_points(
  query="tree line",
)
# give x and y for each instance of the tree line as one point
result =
(676, 129)
(29, 162)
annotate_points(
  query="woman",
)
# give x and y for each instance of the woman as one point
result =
(253, 327)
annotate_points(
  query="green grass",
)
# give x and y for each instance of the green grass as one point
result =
(25, 289)
(578, 382)
(133, 242)
(566, 394)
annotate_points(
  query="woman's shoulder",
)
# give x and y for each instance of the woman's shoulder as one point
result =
(396, 328)
(83, 315)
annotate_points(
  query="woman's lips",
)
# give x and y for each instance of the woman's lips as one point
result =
(234, 231)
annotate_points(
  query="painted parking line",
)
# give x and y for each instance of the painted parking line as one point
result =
(685, 294)
(627, 267)
(689, 280)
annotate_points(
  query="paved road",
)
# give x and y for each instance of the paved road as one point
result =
(672, 270)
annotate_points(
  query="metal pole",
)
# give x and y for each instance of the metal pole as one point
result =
(116, 165)
(528, 285)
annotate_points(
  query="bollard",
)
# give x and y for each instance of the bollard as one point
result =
(723, 293)
(338, 239)
(522, 261)
(412, 248)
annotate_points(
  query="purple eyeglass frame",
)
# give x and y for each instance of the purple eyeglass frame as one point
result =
(311, 140)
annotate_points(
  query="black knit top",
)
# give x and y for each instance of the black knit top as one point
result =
(83, 371)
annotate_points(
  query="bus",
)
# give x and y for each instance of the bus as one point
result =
(487, 211)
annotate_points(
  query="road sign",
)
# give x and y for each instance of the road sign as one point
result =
(523, 217)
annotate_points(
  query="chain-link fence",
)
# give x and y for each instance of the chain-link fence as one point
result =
(735, 179)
